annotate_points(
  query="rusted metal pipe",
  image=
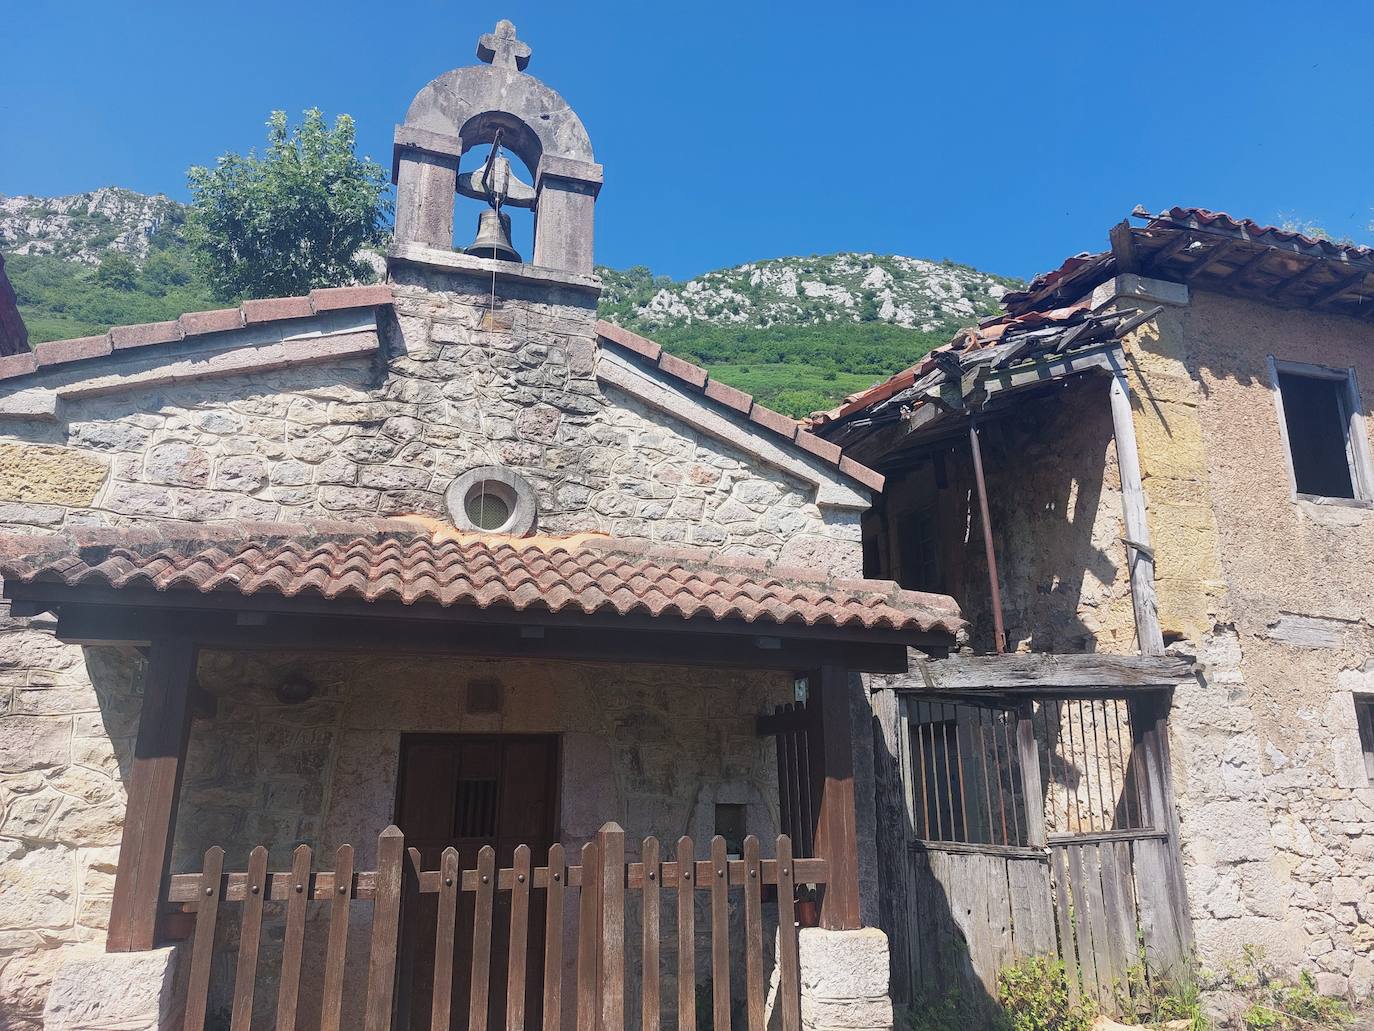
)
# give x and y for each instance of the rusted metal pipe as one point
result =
(977, 450)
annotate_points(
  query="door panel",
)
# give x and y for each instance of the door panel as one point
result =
(467, 791)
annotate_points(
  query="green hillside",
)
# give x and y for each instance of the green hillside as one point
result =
(798, 333)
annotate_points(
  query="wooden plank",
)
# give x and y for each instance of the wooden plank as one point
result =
(588, 928)
(386, 926)
(203, 946)
(1068, 946)
(836, 825)
(337, 950)
(1104, 959)
(753, 935)
(611, 847)
(720, 935)
(553, 939)
(1087, 951)
(789, 974)
(479, 985)
(1119, 905)
(686, 936)
(1089, 671)
(293, 944)
(1032, 907)
(407, 943)
(648, 960)
(1032, 790)
(154, 787)
(250, 934)
(518, 940)
(445, 933)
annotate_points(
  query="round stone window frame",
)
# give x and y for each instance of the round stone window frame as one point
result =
(510, 487)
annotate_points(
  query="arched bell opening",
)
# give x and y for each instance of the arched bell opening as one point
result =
(478, 229)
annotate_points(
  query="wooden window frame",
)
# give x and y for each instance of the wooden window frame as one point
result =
(1356, 439)
(1364, 720)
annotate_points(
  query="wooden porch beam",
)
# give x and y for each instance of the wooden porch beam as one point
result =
(1090, 671)
(154, 789)
(78, 624)
(837, 839)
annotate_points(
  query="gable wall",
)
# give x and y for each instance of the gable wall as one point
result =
(459, 385)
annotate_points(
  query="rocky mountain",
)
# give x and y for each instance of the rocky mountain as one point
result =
(799, 333)
(84, 227)
(848, 287)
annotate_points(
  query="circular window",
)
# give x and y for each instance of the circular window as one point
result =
(492, 500)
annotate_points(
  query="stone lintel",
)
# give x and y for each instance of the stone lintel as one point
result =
(482, 268)
(706, 417)
(1138, 289)
(552, 166)
(412, 137)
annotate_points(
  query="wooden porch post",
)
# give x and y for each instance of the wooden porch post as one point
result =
(837, 839)
(1140, 555)
(154, 787)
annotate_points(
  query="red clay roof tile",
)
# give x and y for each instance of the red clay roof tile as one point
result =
(405, 561)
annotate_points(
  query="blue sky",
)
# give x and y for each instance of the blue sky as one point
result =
(1002, 135)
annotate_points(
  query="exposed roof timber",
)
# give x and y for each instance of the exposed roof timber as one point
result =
(1210, 258)
(1251, 264)
(1157, 260)
(1123, 247)
(1284, 286)
(1330, 293)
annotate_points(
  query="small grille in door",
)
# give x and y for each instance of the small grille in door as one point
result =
(475, 811)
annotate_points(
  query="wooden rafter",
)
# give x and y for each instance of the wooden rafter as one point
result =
(1159, 257)
(1330, 293)
(1123, 247)
(1238, 276)
(1299, 277)
(1209, 259)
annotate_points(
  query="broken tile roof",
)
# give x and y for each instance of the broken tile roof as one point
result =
(996, 344)
(1214, 250)
(411, 563)
(699, 380)
(250, 313)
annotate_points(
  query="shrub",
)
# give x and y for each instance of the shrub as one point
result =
(1035, 995)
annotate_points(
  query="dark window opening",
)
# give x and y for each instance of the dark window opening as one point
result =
(1318, 421)
(1364, 715)
(919, 549)
(730, 825)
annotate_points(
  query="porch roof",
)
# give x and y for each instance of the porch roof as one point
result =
(416, 565)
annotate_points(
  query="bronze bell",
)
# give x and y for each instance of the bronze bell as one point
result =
(493, 237)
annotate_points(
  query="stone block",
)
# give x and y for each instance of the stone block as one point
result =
(33, 742)
(50, 475)
(114, 991)
(844, 979)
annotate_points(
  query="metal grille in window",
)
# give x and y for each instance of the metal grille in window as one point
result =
(966, 780)
(1094, 775)
(475, 812)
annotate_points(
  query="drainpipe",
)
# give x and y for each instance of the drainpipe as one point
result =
(999, 630)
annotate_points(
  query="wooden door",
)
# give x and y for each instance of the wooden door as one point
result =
(467, 791)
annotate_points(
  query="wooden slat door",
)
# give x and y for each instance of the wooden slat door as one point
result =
(468, 791)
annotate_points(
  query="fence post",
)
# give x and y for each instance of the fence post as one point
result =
(386, 924)
(610, 842)
(588, 939)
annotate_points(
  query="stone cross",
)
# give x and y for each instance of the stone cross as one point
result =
(502, 49)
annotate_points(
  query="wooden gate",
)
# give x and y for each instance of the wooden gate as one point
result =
(1034, 825)
(597, 886)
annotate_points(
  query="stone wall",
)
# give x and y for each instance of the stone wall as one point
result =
(1274, 596)
(460, 382)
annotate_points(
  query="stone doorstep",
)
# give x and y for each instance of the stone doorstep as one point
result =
(113, 991)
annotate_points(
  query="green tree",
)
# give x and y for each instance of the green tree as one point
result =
(292, 219)
(117, 271)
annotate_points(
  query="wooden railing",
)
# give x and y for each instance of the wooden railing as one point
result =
(601, 881)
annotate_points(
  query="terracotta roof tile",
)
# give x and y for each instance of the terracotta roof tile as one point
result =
(410, 562)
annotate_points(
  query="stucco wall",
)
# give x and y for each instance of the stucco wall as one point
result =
(458, 384)
(1277, 812)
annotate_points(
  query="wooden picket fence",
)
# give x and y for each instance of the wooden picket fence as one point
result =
(601, 881)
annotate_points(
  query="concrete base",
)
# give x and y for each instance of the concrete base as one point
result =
(115, 991)
(845, 980)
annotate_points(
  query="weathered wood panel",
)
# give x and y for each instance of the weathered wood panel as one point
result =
(1058, 673)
